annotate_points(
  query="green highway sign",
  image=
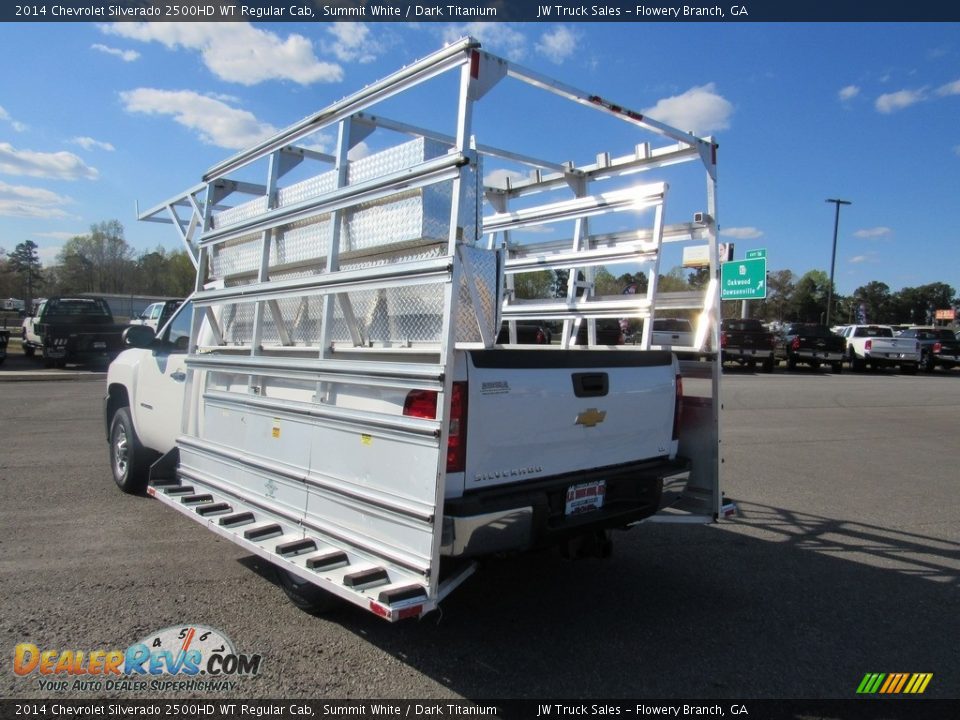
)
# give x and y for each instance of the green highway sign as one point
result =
(751, 254)
(744, 279)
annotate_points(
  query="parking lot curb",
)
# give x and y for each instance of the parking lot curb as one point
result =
(50, 375)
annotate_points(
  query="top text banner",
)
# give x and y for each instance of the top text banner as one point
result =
(480, 11)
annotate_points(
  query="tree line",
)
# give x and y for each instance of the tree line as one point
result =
(103, 262)
(100, 262)
(789, 298)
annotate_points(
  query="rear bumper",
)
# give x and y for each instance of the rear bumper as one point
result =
(746, 354)
(531, 514)
(892, 358)
(807, 356)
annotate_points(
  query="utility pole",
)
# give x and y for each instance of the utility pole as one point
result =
(833, 254)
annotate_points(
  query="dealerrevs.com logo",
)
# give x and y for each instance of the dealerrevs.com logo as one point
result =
(177, 658)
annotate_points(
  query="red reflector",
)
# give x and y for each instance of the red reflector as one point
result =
(414, 611)
(378, 609)
(868, 345)
(421, 404)
(795, 345)
(937, 347)
(474, 64)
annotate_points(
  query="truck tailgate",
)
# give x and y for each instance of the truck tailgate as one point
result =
(540, 413)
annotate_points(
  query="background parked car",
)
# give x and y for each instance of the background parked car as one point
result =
(157, 314)
(938, 347)
(747, 341)
(810, 344)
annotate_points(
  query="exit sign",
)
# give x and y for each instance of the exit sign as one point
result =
(744, 279)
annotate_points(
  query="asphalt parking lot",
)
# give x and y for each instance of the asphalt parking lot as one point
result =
(844, 560)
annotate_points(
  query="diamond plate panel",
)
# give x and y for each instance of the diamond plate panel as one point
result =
(422, 214)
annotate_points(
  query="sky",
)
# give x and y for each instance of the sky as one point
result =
(100, 117)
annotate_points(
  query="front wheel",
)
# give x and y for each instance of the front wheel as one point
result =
(128, 458)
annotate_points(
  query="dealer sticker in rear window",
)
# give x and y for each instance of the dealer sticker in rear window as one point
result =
(585, 497)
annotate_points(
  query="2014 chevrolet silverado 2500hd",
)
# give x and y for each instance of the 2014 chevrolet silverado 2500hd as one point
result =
(333, 397)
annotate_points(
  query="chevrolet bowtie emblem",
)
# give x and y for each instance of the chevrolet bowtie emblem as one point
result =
(591, 417)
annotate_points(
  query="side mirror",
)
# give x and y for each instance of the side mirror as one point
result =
(138, 336)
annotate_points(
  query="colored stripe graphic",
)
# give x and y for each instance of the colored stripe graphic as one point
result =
(894, 683)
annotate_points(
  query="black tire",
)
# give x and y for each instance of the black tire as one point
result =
(928, 363)
(28, 350)
(856, 364)
(306, 596)
(768, 365)
(837, 367)
(791, 362)
(129, 460)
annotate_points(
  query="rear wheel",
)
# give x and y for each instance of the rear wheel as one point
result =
(791, 362)
(837, 367)
(129, 460)
(815, 364)
(28, 350)
(306, 596)
(768, 365)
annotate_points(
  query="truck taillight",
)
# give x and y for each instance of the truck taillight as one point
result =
(677, 408)
(457, 437)
(723, 339)
(423, 404)
(795, 345)
(937, 347)
(868, 345)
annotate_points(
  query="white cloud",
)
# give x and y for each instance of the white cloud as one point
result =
(849, 92)
(742, 233)
(88, 143)
(214, 121)
(956, 150)
(238, 52)
(891, 102)
(352, 42)
(699, 110)
(859, 259)
(558, 44)
(952, 88)
(30, 202)
(498, 178)
(16, 125)
(497, 37)
(873, 233)
(125, 55)
(58, 166)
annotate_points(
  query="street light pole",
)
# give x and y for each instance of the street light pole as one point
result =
(833, 254)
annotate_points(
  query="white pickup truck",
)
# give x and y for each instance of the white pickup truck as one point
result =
(333, 396)
(875, 346)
